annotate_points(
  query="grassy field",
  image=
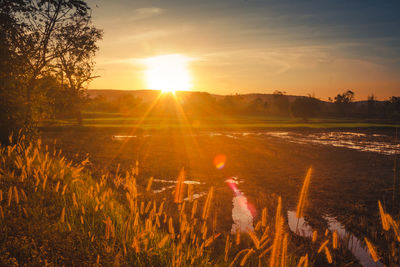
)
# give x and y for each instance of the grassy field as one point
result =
(130, 178)
(90, 211)
(119, 120)
(346, 184)
(55, 212)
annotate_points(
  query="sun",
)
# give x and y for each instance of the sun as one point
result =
(168, 73)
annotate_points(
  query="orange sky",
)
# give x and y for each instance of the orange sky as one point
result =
(254, 46)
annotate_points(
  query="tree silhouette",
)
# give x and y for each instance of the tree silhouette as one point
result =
(76, 63)
(343, 103)
(38, 27)
(13, 110)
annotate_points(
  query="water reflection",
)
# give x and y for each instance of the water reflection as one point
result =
(358, 141)
(378, 143)
(299, 226)
(196, 196)
(174, 181)
(354, 244)
(162, 189)
(122, 137)
(241, 214)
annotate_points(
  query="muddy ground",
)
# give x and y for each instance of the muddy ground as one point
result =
(346, 184)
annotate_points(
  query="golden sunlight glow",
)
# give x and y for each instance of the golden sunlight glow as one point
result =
(168, 73)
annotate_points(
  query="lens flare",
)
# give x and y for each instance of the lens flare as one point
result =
(219, 161)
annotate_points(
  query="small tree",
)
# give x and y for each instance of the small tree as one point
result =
(343, 102)
(371, 105)
(76, 63)
(395, 107)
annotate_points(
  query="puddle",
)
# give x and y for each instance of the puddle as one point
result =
(355, 245)
(241, 214)
(358, 141)
(378, 143)
(122, 137)
(174, 181)
(299, 226)
(162, 189)
(215, 134)
(196, 196)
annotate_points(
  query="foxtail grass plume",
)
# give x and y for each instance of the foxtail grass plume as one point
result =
(394, 226)
(211, 239)
(227, 246)
(237, 256)
(303, 194)
(16, 196)
(314, 236)
(335, 240)
(254, 238)
(328, 255)
(150, 182)
(62, 217)
(237, 237)
(243, 261)
(9, 196)
(194, 208)
(385, 223)
(207, 204)
(371, 250)
(171, 229)
(190, 192)
(303, 261)
(323, 246)
(179, 189)
(284, 250)
(276, 245)
(264, 217)
(163, 241)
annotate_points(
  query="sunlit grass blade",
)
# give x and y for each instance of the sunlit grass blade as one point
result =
(303, 194)
(371, 250)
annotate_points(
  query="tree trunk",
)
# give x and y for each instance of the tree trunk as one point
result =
(29, 89)
(78, 109)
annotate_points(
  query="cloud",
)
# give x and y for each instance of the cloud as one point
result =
(149, 10)
(146, 12)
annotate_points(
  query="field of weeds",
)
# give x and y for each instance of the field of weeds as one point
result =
(55, 212)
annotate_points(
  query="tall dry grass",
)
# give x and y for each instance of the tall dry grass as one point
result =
(109, 220)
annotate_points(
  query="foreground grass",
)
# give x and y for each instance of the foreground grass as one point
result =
(53, 212)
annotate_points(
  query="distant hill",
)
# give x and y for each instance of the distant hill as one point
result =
(148, 95)
(114, 94)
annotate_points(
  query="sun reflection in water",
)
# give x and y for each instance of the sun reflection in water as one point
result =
(242, 210)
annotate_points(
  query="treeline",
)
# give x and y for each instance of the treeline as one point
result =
(46, 52)
(196, 104)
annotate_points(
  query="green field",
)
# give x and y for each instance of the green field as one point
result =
(119, 120)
